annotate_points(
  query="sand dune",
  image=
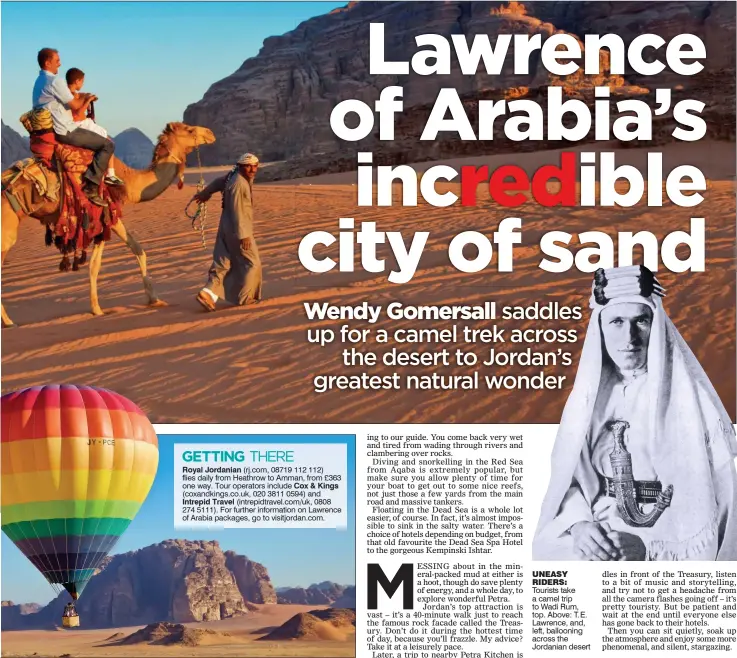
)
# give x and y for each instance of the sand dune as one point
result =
(331, 624)
(240, 636)
(175, 634)
(253, 364)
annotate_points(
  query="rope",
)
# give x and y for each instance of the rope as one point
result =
(200, 214)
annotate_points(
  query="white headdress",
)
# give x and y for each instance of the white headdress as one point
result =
(620, 285)
(247, 159)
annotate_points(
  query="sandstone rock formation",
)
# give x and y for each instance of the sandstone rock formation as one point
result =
(278, 103)
(14, 147)
(252, 578)
(204, 588)
(713, 22)
(174, 581)
(134, 148)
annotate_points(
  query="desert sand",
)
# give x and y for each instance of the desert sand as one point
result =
(253, 364)
(240, 636)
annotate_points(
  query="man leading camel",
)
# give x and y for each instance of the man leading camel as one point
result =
(235, 273)
(51, 92)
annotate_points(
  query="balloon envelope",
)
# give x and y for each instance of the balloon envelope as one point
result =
(77, 463)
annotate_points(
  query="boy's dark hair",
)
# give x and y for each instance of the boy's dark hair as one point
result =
(44, 55)
(73, 75)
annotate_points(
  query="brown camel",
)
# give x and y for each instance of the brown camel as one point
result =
(177, 140)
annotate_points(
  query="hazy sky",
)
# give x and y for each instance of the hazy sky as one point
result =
(145, 60)
(293, 557)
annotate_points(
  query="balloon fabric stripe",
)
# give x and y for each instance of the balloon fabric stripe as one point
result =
(77, 463)
(83, 413)
(57, 453)
(103, 485)
(74, 543)
(65, 527)
(69, 510)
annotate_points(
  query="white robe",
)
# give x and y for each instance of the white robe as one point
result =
(679, 434)
(624, 400)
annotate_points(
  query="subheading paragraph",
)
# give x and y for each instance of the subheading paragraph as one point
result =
(481, 347)
(260, 485)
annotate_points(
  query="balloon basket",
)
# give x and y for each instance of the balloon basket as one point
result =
(70, 622)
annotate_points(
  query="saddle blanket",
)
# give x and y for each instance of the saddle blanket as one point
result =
(29, 169)
(80, 221)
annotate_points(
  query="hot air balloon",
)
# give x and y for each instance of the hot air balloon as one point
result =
(77, 463)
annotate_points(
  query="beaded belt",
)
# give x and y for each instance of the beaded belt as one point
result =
(646, 491)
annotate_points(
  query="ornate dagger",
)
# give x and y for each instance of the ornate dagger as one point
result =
(624, 483)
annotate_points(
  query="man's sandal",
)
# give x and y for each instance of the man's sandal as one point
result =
(205, 299)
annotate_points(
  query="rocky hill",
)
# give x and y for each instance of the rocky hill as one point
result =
(347, 599)
(278, 103)
(14, 613)
(134, 148)
(324, 593)
(14, 147)
(23, 608)
(174, 581)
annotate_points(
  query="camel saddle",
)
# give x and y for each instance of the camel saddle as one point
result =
(37, 173)
(80, 221)
(73, 159)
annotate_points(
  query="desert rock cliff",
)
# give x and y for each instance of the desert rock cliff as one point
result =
(278, 103)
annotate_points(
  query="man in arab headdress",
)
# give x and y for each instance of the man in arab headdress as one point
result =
(636, 367)
(235, 273)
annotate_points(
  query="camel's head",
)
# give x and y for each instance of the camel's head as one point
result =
(178, 140)
(187, 137)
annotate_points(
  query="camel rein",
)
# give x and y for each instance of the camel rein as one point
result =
(200, 214)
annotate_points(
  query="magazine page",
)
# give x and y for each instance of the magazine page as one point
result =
(368, 329)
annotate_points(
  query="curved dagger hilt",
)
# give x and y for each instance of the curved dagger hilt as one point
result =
(624, 483)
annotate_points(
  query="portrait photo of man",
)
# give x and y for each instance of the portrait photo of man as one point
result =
(643, 462)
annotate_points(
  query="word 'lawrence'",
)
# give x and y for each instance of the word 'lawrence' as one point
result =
(601, 184)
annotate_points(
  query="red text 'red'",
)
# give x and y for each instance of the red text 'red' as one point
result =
(507, 183)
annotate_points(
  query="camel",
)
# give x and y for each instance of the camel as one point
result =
(177, 140)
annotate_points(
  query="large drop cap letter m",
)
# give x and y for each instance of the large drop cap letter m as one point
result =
(404, 577)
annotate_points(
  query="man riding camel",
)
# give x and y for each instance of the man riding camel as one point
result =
(51, 92)
(235, 273)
